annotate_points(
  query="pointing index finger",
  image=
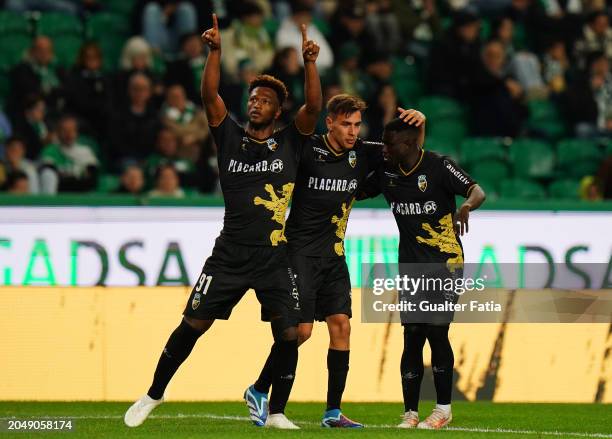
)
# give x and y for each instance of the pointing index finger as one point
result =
(304, 34)
(215, 22)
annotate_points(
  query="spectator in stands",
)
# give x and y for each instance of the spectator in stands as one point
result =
(136, 57)
(555, 66)
(290, 35)
(496, 97)
(419, 23)
(286, 67)
(381, 112)
(6, 129)
(246, 38)
(68, 165)
(36, 75)
(349, 25)
(187, 69)
(14, 161)
(31, 126)
(596, 36)
(132, 180)
(604, 178)
(379, 68)
(18, 184)
(382, 24)
(167, 183)
(530, 22)
(521, 64)
(348, 75)
(64, 6)
(591, 94)
(455, 57)
(186, 121)
(134, 127)
(89, 90)
(164, 21)
(168, 153)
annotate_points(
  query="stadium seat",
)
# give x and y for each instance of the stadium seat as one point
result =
(442, 147)
(53, 24)
(565, 189)
(532, 158)
(448, 130)
(13, 49)
(490, 188)
(408, 91)
(578, 157)
(122, 7)
(440, 107)
(99, 25)
(13, 23)
(521, 188)
(491, 171)
(111, 51)
(544, 118)
(67, 49)
(475, 149)
(108, 183)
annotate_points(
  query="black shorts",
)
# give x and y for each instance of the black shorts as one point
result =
(425, 301)
(324, 285)
(232, 269)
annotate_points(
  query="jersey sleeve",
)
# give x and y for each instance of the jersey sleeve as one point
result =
(371, 187)
(294, 138)
(226, 133)
(456, 180)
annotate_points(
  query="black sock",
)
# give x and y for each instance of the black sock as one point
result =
(411, 366)
(337, 367)
(442, 361)
(266, 376)
(285, 363)
(177, 349)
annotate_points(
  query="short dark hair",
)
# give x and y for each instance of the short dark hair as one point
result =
(345, 104)
(269, 81)
(13, 139)
(14, 177)
(398, 127)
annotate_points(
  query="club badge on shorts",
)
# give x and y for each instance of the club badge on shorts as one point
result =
(196, 301)
(352, 158)
(422, 182)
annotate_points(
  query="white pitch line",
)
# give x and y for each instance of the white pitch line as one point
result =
(385, 426)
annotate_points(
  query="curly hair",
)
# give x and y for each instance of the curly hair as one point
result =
(270, 82)
(345, 104)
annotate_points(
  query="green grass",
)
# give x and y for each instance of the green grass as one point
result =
(201, 420)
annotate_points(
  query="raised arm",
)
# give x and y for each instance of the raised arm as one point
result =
(308, 114)
(209, 89)
(416, 118)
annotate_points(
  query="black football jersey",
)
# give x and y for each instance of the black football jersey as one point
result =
(257, 180)
(422, 201)
(326, 187)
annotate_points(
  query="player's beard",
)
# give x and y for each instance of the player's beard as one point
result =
(259, 126)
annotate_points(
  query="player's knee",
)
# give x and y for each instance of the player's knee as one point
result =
(198, 325)
(340, 328)
(289, 334)
(304, 333)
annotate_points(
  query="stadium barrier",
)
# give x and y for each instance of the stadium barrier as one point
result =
(65, 343)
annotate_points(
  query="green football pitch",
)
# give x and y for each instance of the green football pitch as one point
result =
(229, 420)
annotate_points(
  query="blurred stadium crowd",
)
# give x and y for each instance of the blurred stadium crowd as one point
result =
(103, 96)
